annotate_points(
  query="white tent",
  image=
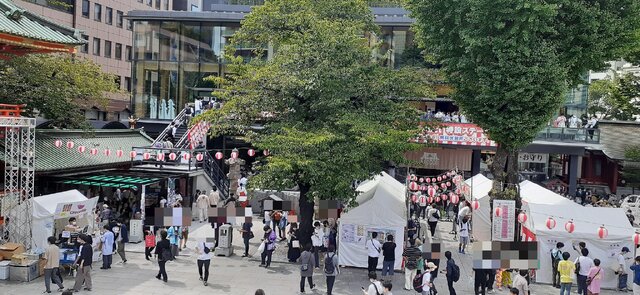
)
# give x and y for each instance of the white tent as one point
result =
(44, 209)
(381, 208)
(479, 187)
(587, 221)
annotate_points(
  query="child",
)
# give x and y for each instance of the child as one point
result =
(566, 268)
(149, 243)
(464, 235)
(595, 277)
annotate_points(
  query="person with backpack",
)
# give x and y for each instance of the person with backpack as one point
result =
(556, 257)
(307, 263)
(373, 249)
(433, 217)
(163, 251)
(389, 258)
(411, 255)
(453, 272)
(331, 269)
(203, 249)
(376, 286)
(422, 282)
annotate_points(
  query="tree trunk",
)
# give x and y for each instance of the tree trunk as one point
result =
(505, 182)
(305, 216)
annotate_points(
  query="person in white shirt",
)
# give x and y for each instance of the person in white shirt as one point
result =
(163, 203)
(433, 215)
(561, 121)
(375, 287)
(426, 278)
(373, 249)
(585, 265)
(214, 197)
(422, 203)
(574, 122)
(204, 259)
(202, 203)
(242, 183)
(621, 272)
(317, 240)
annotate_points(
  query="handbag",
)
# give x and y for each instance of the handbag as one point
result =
(261, 247)
(251, 235)
(295, 244)
(591, 279)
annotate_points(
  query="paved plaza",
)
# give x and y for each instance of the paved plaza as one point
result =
(241, 276)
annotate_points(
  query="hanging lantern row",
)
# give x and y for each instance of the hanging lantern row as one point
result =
(444, 176)
(414, 186)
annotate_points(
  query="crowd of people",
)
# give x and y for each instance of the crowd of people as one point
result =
(454, 117)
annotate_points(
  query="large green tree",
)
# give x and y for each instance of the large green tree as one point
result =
(331, 113)
(615, 99)
(510, 62)
(55, 86)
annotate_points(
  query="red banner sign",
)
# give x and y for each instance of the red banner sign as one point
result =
(457, 134)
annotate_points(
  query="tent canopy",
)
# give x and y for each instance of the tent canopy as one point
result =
(480, 186)
(381, 203)
(45, 206)
(536, 194)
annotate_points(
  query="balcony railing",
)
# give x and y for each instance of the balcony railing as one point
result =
(588, 135)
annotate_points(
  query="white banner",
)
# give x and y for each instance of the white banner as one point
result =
(73, 209)
(503, 225)
(533, 158)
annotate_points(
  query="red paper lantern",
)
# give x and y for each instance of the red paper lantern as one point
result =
(186, 156)
(119, 153)
(431, 191)
(444, 197)
(160, 156)
(444, 177)
(132, 154)
(413, 186)
(146, 156)
(423, 188)
(57, 143)
(457, 191)
(439, 178)
(81, 149)
(234, 155)
(93, 151)
(428, 180)
(498, 211)
(172, 156)
(448, 184)
(437, 199)
(265, 152)
(603, 232)
(433, 179)
(455, 199)
(199, 157)
(570, 226)
(551, 223)
(522, 217)
(219, 155)
(70, 144)
(421, 179)
(107, 152)
(636, 239)
(475, 205)
(251, 152)
(413, 177)
(443, 186)
(430, 200)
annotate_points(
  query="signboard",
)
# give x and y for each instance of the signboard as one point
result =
(533, 158)
(503, 226)
(73, 209)
(457, 134)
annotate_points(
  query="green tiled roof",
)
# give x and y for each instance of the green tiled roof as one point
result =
(16, 21)
(50, 158)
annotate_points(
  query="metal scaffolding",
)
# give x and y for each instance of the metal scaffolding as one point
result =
(19, 155)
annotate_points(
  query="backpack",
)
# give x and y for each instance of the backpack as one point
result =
(417, 282)
(455, 272)
(329, 267)
(436, 214)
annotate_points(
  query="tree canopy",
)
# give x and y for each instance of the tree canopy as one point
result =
(331, 113)
(55, 86)
(510, 62)
(615, 99)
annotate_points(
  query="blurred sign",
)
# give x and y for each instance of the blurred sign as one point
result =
(457, 134)
(533, 158)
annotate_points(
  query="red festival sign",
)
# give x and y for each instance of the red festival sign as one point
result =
(457, 134)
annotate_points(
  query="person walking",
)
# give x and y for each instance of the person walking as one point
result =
(149, 243)
(426, 278)
(107, 240)
(453, 272)
(432, 218)
(52, 257)
(422, 204)
(163, 251)
(520, 282)
(566, 268)
(480, 281)
(621, 271)
(203, 203)
(376, 286)
(307, 263)
(270, 244)
(556, 257)
(583, 264)
(184, 237)
(331, 269)
(247, 235)
(173, 234)
(84, 261)
(317, 240)
(123, 238)
(411, 255)
(389, 259)
(636, 275)
(294, 243)
(203, 249)
(464, 235)
(373, 249)
(214, 197)
(594, 278)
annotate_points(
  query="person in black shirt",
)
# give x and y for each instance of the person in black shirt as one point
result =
(163, 250)
(85, 258)
(246, 236)
(389, 253)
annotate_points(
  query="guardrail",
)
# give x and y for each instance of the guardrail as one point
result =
(589, 135)
(161, 157)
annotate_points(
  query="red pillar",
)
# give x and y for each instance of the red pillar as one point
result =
(615, 175)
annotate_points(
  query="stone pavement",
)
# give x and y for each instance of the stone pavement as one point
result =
(241, 276)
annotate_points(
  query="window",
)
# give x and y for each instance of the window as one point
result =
(108, 16)
(96, 46)
(97, 12)
(117, 81)
(140, 1)
(129, 25)
(107, 49)
(127, 84)
(85, 46)
(118, 51)
(157, 4)
(85, 8)
(119, 16)
(150, 3)
(127, 53)
(166, 4)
